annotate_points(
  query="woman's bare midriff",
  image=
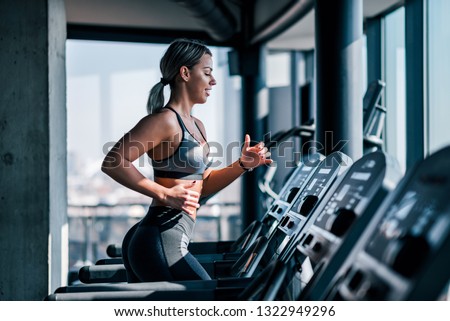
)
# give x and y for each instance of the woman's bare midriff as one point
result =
(171, 182)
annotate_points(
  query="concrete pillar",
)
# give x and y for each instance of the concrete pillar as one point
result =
(416, 80)
(339, 40)
(33, 219)
(254, 111)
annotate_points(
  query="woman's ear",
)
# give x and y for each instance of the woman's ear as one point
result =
(184, 73)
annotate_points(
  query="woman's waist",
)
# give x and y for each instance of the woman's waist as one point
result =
(171, 182)
(167, 217)
(160, 206)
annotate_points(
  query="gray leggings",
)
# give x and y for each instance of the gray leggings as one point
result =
(155, 249)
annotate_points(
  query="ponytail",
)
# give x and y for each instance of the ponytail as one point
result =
(156, 98)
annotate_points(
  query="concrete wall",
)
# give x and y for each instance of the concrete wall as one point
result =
(33, 244)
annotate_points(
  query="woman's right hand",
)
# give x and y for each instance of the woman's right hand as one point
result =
(181, 197)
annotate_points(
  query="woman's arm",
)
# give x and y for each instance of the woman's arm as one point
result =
(252, 157)
(118, 163)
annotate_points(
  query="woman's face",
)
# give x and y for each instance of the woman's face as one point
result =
(201, 80)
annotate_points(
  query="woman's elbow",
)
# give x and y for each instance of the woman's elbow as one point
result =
(106, 167)
(109, 164)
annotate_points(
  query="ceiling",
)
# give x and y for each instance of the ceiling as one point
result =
(301, 35)
(173, 17)
(131, 13)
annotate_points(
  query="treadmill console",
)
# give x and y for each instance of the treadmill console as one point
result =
(403, 254)
(307, 199)
(344, 216)
(289, 191)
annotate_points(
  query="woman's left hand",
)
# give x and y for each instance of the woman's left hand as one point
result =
(254, 156)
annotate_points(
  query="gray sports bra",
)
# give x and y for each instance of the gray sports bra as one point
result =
(190, 159)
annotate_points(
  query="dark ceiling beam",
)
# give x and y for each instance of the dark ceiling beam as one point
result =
(143, 35)
(281, 21)
(218, 22)
(385, 12)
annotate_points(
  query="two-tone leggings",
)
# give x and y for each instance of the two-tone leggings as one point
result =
(156, 248)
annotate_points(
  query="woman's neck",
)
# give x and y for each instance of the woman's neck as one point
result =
(182, 106)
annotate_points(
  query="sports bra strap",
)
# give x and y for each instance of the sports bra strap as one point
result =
(201, 133)
(180, 120)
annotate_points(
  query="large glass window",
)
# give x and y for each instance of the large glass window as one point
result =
(107, 89)
(396, 86)
(364, 65)
(438, 74)
(280, 104)
(278, 69)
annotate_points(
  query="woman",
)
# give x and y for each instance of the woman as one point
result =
(156, 248)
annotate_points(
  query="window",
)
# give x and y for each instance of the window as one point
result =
(278, 69)
(396, 86)
(438, 74)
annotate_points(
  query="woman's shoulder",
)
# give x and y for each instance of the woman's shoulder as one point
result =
(164, 119)
(160, 123)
